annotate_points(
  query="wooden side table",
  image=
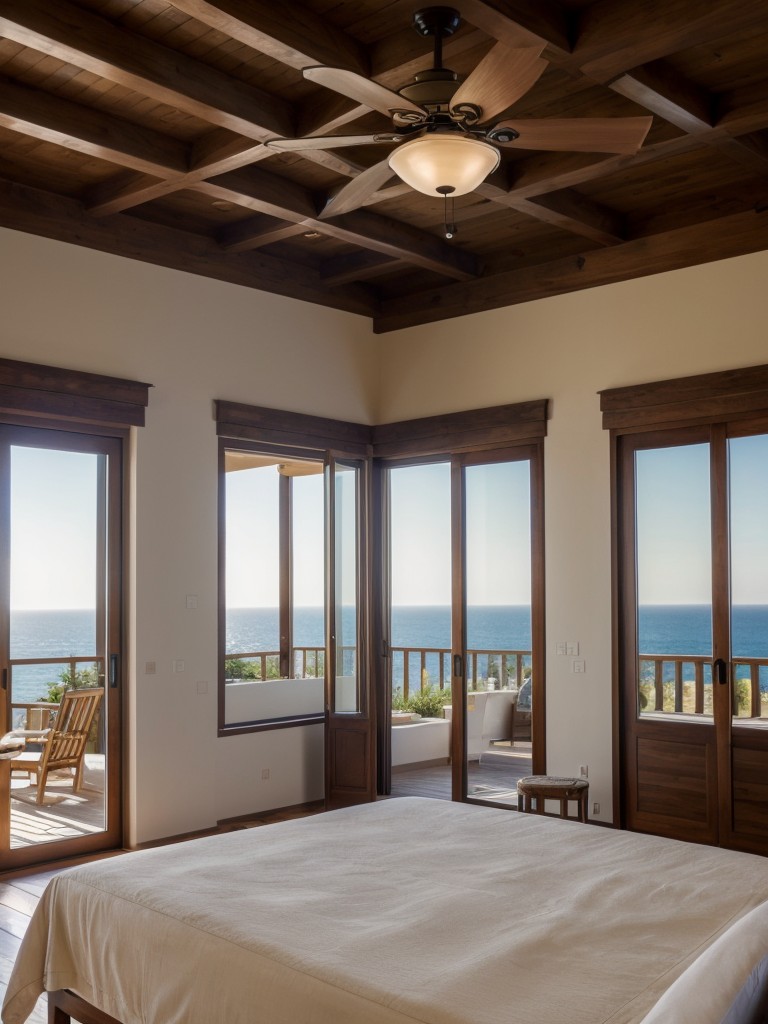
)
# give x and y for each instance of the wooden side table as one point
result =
(552, 787)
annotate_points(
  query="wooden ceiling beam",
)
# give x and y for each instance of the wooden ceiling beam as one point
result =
(523, 23)
(88, 41)
(354, 267)
(661, 91)
(246, 235)
(575, 213)
(266, 193)
(728, 236)
(615, 35)
(125, 191)
(550, 172)
(290, 33)
(59, 121)
(41, 213)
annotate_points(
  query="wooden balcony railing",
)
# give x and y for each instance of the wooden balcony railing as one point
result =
(682, 684)
(68, 664)
(416, 666)
(422, 666)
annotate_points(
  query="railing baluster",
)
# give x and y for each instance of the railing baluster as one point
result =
(698, 669)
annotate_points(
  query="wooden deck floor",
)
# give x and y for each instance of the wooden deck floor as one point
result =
(493, 778)
(63, 813)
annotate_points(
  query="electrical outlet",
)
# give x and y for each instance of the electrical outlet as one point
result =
(178, 665)
(595, 807)
(572, 648)
(150, 668)
(202, 686)
(191, 600)
(579, 665)
(584, 771)
(265, 773)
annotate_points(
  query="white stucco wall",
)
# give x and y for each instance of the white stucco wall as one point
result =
(196, 340)
(566, 349)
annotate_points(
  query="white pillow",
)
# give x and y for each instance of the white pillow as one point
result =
(707, 990)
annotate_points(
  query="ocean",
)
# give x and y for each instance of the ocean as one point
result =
(663, 629)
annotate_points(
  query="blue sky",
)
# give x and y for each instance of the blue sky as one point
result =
(673, 523)
(53, 559)
(53, 531)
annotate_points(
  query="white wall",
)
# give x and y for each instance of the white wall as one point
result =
(567, 348)
(195, 340)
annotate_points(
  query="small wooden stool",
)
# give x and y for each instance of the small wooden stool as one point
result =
(552, 787)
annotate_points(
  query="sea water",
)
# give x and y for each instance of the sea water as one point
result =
(662, 629)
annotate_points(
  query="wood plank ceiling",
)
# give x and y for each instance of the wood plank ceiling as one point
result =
(137, 127)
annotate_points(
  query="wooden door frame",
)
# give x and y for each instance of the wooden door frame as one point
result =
(112, 553)
(533, 453)
(350, 737)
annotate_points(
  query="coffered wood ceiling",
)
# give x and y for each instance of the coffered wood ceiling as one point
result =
(137, 127)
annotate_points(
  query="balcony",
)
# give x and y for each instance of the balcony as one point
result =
(63, 814)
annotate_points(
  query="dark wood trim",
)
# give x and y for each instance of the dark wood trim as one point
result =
(257, 423)
(33, 389)
(63, 1005)
(460, 431)
(709, 397)
(285, 532)
(538, 613)
(458, 633)
(262, 725)
(721, 627)
(380, 629)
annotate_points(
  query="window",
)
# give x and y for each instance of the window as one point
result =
(273, 564)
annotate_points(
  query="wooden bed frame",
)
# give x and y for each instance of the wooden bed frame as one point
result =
(63, 1005)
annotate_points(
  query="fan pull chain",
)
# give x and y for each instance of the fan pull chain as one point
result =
(449, 223)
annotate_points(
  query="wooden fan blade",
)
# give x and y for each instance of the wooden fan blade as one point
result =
(357, 191)
(580, 134)
(327, 142)
(362, 90)
(501, 78)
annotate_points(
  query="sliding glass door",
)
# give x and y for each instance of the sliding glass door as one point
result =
(60, 642)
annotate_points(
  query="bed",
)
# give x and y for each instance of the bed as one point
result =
(408, 910)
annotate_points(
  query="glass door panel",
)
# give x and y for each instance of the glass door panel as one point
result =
(61, 660)
(498, 653)
(346, 691)
(420, 628)
(674, 581)
(748, 499)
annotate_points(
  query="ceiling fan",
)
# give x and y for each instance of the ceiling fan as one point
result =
(444, 131)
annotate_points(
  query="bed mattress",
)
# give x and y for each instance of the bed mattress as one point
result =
(407, 910)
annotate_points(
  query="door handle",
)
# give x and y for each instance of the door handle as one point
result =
(5, 679)
(114, 661)
(721, 671)
(458, 665)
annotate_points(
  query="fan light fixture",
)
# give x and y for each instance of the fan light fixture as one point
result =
(442, 165)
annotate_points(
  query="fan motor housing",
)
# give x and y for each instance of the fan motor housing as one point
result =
(432, 88)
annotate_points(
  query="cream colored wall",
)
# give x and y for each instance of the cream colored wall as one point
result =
(195, 340)
(567, 348)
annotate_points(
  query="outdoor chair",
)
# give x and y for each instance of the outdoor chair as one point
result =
(64, 743)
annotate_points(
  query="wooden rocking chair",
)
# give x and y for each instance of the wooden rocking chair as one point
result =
(63, 744)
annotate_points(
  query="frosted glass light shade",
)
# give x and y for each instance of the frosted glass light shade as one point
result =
(452, 161)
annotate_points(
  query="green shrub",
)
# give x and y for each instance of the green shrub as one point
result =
(69, 680)
(429, 702)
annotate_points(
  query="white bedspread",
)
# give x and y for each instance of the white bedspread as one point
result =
(403, 910)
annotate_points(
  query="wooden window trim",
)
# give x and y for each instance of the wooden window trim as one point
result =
(69, 397)
(704, 398)
(297, 435)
